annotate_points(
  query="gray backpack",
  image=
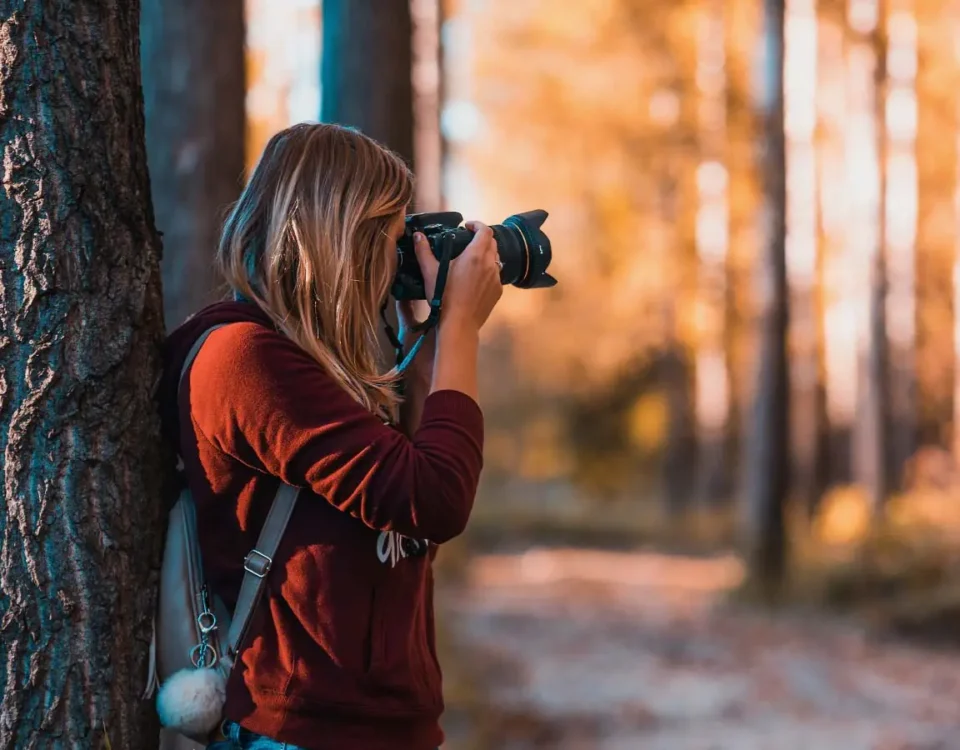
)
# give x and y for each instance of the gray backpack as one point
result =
(195, 639)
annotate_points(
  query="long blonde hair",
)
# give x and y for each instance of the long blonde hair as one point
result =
(306, 240)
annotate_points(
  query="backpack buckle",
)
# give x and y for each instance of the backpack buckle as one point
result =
(257, 563)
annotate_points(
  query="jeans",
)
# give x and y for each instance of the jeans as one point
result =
(239, 738)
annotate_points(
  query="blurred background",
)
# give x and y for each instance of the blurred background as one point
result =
(720, 504)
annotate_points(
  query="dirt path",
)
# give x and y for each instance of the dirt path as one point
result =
(632, 651)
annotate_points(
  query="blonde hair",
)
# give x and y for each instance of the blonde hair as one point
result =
(306, 240)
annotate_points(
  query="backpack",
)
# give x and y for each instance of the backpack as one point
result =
(196, 640)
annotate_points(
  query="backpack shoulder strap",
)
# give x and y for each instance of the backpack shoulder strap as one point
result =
(195, 349)
(256, 566)
(257, 563)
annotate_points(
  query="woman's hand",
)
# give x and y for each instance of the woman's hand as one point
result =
(473, 288)
(473, 282)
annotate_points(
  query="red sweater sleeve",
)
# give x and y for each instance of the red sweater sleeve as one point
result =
(260, 399)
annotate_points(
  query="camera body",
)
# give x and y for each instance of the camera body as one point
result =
(524, 249)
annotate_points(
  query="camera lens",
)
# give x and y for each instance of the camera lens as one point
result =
(524, 250)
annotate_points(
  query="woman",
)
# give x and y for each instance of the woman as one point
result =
(341, 651)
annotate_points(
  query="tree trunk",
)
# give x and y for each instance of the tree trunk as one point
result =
(366, 69)
(767, 463)
(804, 254)
(80, 331)
(821, 465)
(743, 19)
(428, 100)
(897, 41)
(836, 315)
(936, 223)
(679, 203)
(680, 445)
(194, 95)
(712, 239)
(878, 377)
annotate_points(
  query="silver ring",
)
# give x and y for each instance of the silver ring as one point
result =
(204, 656)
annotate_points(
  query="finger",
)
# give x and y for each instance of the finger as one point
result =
(484, 231)
(483, 237)
(425, 257)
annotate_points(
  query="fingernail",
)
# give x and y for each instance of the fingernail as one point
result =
(418, 236)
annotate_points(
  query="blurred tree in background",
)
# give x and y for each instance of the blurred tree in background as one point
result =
(366, 70)
(194, 88)
(936, 79)
(767, 462)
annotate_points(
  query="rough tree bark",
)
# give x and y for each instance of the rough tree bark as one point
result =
(80, 329)
(367, 58)
(194, 97)
(767, 460)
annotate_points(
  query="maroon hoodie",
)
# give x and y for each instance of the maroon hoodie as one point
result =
(340, 654)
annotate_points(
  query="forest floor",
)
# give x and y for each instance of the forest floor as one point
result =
(578, 649)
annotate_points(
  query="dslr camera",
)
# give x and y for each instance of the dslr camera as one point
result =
(523, 247)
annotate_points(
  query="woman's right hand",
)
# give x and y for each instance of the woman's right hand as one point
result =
(473, 282)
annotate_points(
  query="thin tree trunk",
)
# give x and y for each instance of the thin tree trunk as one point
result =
(743, 19)
(767, 463)
(712, 382)
(428, 100)
(827, 139)
(936, 223)
(676, 373)
(680, 445)
(878, 388)
(837, 315)
(679, 203)
(366, 69)
(80, 330)
(866, 222)
(898, 42)
(194, 94)
(822, 465)
(804, 252)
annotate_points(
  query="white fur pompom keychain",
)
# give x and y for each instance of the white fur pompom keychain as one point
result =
(192, 701)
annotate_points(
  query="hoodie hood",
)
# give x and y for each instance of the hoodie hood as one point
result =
(178, 344)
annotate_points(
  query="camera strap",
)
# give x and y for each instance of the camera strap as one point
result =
(424, 328)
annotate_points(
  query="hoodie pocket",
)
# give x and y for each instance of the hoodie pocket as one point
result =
(400, 661)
